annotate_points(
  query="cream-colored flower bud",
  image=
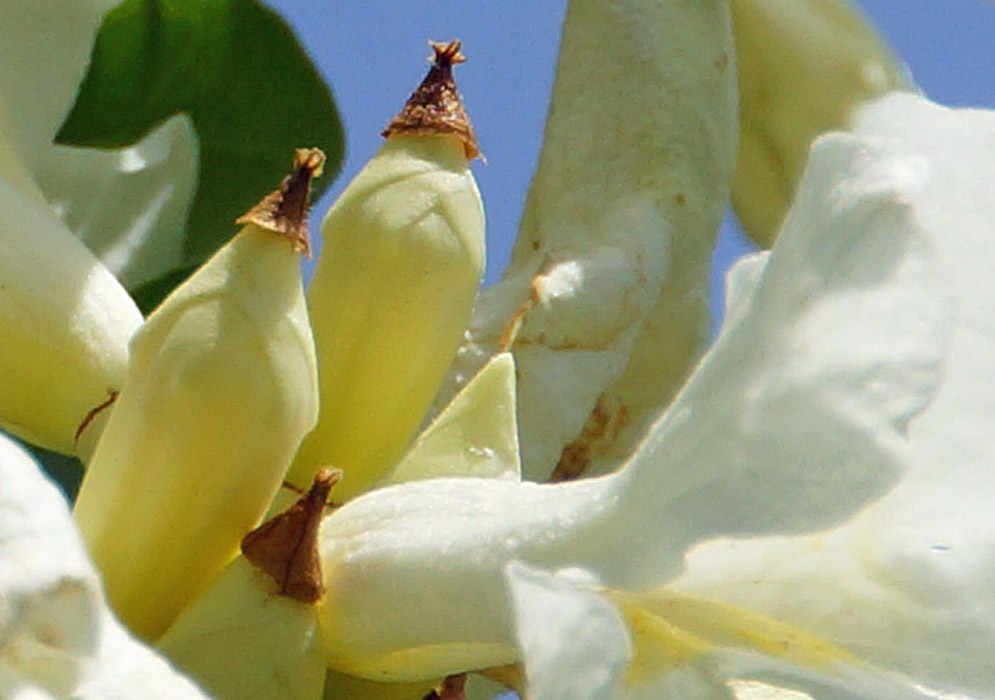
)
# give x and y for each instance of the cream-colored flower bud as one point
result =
(803, 66)
(65, 321)
(253, 634)
(402, 259)
(221, 388)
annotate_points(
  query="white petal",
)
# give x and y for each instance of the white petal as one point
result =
(126, 669)
(792, 422)
(49, 605)
(56, 632)
(910, 584)
(129, 205)
(616, 233)
(46, 49)
(573, 642)
(797, 413)
(65, 323)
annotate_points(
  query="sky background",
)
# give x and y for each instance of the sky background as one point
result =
(373, 53)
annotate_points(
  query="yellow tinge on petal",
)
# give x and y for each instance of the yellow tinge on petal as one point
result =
(402, 259)
(671, 630)
(253, 635)
(803, 66)
(221, 388)
(476, 434)
(65, 323)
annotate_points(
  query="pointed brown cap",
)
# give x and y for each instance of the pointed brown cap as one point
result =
(436, 106)
(284, 211)
(286, 546)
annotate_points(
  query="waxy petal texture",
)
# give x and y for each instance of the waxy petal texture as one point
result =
(793, 421)
(909, 583)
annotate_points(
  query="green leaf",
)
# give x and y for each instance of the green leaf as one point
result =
(236, 68)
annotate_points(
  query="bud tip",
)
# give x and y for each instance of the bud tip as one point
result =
(284, 211)
(436, 107)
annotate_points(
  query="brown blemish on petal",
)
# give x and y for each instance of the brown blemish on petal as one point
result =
(603, 425)
(286, 546)
(284, 211)
(436, 107)
(452, 688)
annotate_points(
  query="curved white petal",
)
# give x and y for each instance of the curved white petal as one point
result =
(49, 604)
(129, 205)
(910, 584)
(574, 644)
(794, 420)
(65, 323)
(50, 41)
(57, 635)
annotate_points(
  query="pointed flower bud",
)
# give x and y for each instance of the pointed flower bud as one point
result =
(402, 259)
(220, 391)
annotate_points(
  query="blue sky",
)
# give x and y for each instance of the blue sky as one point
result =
(374, 53)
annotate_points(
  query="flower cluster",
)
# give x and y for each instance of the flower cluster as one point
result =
(558, 486)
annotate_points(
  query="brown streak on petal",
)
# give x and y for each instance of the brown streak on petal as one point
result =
(284, 211)
(286, 546)
(436, 107)
(94, 412)
(602, 426)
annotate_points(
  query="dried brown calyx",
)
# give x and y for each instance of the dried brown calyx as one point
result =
(284, 211)
(436, 106)
(286, 546)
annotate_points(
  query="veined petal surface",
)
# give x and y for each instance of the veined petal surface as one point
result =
(909, 583)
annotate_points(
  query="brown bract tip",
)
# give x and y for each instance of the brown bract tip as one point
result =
(286, 546)
(284, 211)
(436, 106)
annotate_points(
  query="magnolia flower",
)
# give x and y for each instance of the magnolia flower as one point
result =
(834, 393)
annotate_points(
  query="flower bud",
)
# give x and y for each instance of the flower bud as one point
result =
(402, 259)
(803, 65)
(220, 391)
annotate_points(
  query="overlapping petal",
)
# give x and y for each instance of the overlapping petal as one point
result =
(793, 421)
(614, 241)
(909, 583)
(58, 638)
